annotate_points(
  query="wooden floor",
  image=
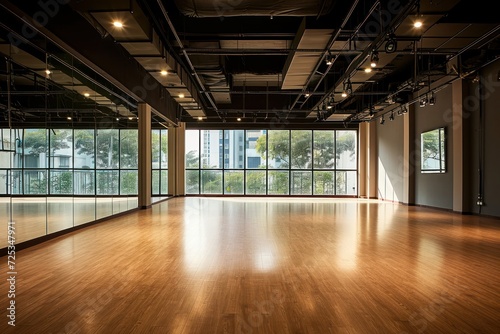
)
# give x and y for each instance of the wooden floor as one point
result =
(250, 265)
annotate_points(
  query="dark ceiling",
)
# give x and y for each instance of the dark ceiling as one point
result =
(262, 61)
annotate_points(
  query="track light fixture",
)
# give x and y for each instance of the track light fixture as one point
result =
(432, 100)
(423, 102)
(374, 59)
(329, 59)
(347, 88)
(391, 117)
(390, 44)
(382, 120)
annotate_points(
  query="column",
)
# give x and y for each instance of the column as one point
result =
(410, 154)
(176, 160)
(144, 198)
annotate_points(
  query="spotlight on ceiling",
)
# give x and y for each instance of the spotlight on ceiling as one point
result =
(118, 24)
(374, 59)
(423, 102)
(391, 117)
(390, 44)
(432, 100)
(329, 59)
(418, 23)
(163, 72)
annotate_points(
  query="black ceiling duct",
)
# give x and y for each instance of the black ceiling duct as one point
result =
(222, 8)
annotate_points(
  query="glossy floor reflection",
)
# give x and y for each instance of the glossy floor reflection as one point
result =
(266, 265)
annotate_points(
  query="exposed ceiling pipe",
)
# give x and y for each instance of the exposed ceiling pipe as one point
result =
(332, 40)
(355, 32)
(249, 52)
(361, 57)
(190, 64)
(211, 8)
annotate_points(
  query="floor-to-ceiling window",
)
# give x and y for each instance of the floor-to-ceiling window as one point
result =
(271, 162)
(159, 160)
(55, 179)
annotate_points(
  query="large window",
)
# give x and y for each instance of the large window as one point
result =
(69, 162)
(159, 153)
(274, 162)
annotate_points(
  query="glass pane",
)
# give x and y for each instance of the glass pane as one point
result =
(301, 183)
(84, 182)
(128, 182)
(129, 154)
(278, 149)
(6, 143)
(5, 207)
(346, 149)
(324, 149)
(323, 183)
(107, 182)
(278, 183)
(59, 213)
(155, 149)
(164, 182)
(234, 150)
(35, 182)
(256, 183)
(192, 182)
(346, 183)
(155, 182)
(120, 204)
(4, 182)
(84, 210)
(84, 149)
(301, 142)
(442, 152)
(61, 148)
(211, 182)
(164, 149)
(103, 207)
(107, 149)
(17, 182)
(211, 148)
(192, 148)
(256, 142)
(233, 182)
(61, 182)
(30, 217)
(35, 148)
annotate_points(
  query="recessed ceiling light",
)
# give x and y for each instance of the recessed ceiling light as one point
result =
(200, 118)
(181, 95)
(239, 119)
(163, 72)
(368, 70)
(130, 118)
(344, 94)
(417, 24)
(86, 94)
(118, 24)
(69, 118)
(47, 71)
